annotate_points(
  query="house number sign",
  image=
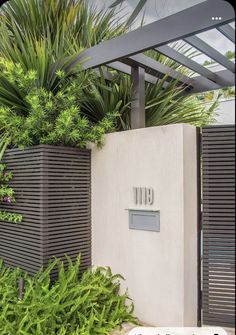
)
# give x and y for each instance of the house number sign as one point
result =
(143, 195)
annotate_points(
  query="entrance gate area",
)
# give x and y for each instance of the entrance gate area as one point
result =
(218, 226)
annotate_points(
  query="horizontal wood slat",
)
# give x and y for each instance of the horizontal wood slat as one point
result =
(218, 223)
(53, 193)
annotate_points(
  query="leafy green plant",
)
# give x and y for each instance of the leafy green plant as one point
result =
(7, 194)
(40, 34)
(10, 217)
(72, 305)
(4, 141)
(44, 37)
(5, 176)
(163, 106)
(50, 117)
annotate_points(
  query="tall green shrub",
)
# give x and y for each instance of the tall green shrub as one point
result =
(46, 35)
(49, 117)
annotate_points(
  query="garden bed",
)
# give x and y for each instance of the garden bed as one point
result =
(90, 304)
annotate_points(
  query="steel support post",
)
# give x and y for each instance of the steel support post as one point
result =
(138, 97)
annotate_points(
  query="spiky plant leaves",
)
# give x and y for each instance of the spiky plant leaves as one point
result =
(90, 304)
(50, 116)
(136, 11)
(46, 35)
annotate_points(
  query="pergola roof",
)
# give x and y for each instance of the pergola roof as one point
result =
(123, 52)
(126, 53)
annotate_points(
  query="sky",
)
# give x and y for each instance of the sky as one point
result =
(157, 9)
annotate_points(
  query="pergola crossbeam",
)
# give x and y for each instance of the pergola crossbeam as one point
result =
(186, 61)
(126, 54)
(202, 84)
(194, 20)
(228, 32)
(205, 48)
(158, 68)
(124, 68)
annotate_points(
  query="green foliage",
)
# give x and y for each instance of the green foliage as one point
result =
(4, 141)
(230, 54)
(6, 192)
(40, 34)
(44, 37)
(11, 217)
(163, 106)
(47, 117)
(90, 305)
(139, 7)
(224, 93)
(7, 195)
(5, 176)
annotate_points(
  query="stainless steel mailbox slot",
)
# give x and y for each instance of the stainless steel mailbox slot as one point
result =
(144, 220)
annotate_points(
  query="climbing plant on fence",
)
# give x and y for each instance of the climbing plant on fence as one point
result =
(7, 194)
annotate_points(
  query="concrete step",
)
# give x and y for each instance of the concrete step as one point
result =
(126, 329)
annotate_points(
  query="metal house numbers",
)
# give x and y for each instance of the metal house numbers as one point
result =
(143, 195)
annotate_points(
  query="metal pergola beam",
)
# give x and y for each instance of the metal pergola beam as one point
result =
(205, 48)
(124, 68)
(215, 78)
(187, 62)
(228, 32)
(202, 84)
(125, 53)
(158, 68)
(193, 20)
(137, 97)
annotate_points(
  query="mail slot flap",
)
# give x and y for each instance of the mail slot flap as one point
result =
(144, 220)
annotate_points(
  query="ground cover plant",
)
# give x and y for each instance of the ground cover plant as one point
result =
(73, 305)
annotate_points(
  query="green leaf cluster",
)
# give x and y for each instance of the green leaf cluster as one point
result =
(5, 176)
(72, 305)
(6, 191)
(44, 37)
(10, 217)
(50, 117)
(7, 194)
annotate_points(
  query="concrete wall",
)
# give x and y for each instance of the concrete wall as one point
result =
(226, 112)
(160, 267)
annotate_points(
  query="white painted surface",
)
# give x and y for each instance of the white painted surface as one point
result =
(226, 112)
(177, 331)
(160, 268)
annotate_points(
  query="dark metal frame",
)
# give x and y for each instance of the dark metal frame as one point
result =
(124, 53)
(199, 227)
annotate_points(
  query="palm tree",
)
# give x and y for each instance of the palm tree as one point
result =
(38, 34)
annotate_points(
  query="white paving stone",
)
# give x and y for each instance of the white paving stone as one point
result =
(127, 328)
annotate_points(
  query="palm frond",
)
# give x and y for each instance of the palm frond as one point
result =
(136, 12)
